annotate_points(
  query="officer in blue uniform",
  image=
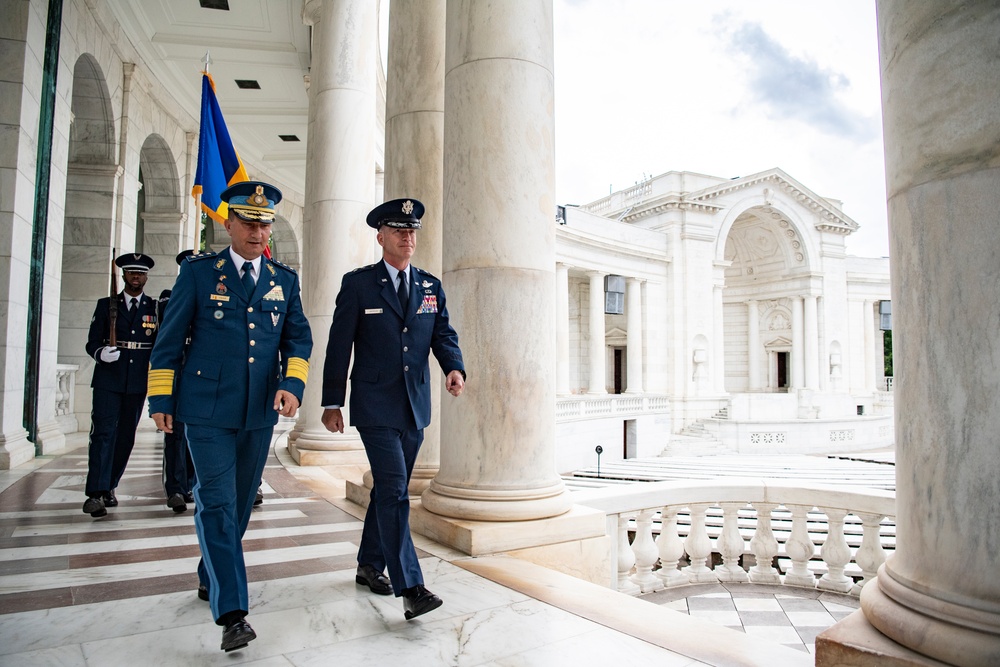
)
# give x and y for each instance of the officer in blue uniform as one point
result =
(178, 468)
(392, 315)
(119, 380)
(247, 362)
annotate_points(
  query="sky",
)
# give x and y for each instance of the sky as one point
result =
(726, 88)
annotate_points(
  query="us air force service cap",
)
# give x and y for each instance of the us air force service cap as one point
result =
(398, 213)
(253, 201)
(135, 262)
(184, 254)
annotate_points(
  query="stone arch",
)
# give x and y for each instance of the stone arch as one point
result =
(88, 223)
(159, 218)
(285, 245)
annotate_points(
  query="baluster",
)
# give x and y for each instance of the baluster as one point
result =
(626, 558)
(671, 549)
(698, 546)
(645, 553)
(870, 555)
(800, 548)
(731, 544)
(836, 553)
(764, 547)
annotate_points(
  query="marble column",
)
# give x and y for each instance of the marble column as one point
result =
(795, 359)
(498, 438)
(753, 344)
(811, 341)
(562, 329)
(597, 349)
(340, 188)
(868, 325)
(718, 367)
(939, 594)
(414, 160)
(633, 349)
(823, 358)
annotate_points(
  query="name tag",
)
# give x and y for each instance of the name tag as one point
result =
(373, 311)
(219, 297)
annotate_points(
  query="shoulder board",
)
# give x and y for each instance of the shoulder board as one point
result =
(201, 255)
(425, 273)
(279, 264)
(363, 268)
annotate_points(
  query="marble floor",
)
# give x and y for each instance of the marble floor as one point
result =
(120, 590)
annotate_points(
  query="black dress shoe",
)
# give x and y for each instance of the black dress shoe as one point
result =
(373, 579)
(94, 507)
(418, 600)
(237, 635)
(110, 499)
(189, 498)
(176, 503)
(259, 498)
(203, 592)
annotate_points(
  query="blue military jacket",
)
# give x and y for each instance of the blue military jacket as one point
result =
(242, 349)
(390, 378)
(135, 337)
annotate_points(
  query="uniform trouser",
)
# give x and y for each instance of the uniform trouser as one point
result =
(178, 468)
(385, 539)
(229, 463)
(113, 421)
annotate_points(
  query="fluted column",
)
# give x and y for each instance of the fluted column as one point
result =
(753, 344)
(562, 329)
(414, 160)
(939, 594)
(597, 349)
(811, 344)
(340, 187)
(633, 350)
(498, 438)
(795, 361)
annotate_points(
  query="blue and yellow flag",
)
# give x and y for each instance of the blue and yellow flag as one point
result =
(219, 165)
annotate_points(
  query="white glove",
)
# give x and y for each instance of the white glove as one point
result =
(110, 354)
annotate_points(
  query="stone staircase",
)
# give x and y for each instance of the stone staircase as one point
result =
(696, 440)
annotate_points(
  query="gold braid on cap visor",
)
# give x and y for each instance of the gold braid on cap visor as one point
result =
(252, 213)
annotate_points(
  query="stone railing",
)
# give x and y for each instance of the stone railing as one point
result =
(804, 528)
(65, 397)
(888, 383)
(588, 407)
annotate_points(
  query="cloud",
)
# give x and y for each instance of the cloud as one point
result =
(793, 88)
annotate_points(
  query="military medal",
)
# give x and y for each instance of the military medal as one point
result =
(219, 314)
(220, 289)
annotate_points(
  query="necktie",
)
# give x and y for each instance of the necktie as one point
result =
(402, 292)
(247, 279)
(131, 306)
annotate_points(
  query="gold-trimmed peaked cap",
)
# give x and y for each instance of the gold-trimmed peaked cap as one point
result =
(399, 213)
(253, 201)
(135, 262)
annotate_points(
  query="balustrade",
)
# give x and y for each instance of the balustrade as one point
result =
(818, 515)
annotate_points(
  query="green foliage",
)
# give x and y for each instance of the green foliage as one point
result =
(887, 348)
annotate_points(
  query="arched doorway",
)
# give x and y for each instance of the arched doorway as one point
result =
(159, 219)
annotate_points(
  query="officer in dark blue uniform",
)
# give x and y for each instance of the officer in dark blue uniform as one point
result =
(119, 380)
(178, 468)
(392, 315)
(247, 362)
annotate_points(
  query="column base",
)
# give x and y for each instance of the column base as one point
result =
(477, 538)
(854, 642)
(940, 630)
(314, 447)
(15, 449)
(496, 504)
(50, 438)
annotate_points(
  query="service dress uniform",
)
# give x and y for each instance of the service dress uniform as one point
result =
(390, 401)
(119, 384)
(246, 343)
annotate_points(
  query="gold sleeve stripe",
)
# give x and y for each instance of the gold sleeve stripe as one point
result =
(298, 368)
(160, 383)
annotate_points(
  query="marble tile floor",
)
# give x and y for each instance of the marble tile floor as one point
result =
(121, 590)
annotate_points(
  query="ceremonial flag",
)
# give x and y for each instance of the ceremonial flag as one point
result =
(219, 165)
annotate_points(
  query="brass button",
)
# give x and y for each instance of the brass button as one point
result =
(406, 349)
(406, 368)
(252, 343)
(199, 372)
(251, 360)
(252, 326)
(250, 309)
(405, 329)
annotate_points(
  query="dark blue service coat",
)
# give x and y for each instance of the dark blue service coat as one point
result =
(135, 337)
(390, 379)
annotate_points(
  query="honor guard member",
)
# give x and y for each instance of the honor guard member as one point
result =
(119, 380)
(178, 468)
(392, 316)
(247, 362)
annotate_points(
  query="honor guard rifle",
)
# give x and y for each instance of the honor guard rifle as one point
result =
(113, 305)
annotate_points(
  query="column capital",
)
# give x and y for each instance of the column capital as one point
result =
(312, 12)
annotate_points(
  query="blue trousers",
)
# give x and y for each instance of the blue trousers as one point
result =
(385, 539)
(229, 463)
(178, 468)
(113, 421)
